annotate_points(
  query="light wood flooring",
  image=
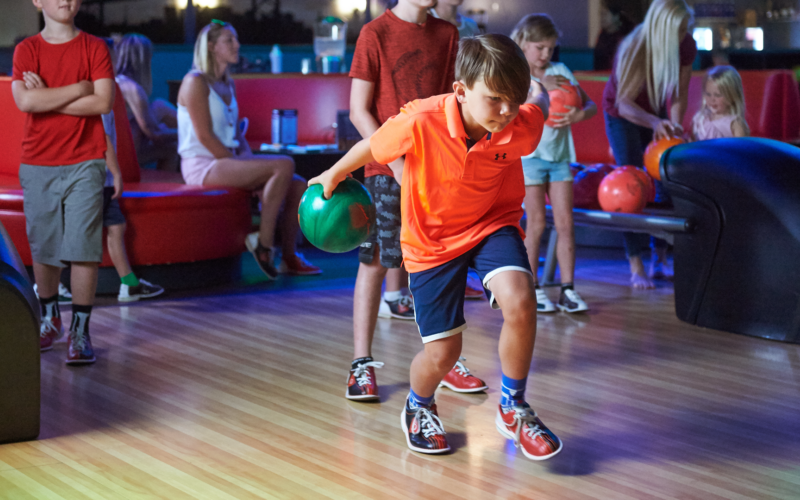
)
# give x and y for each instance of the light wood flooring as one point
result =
(238, 393)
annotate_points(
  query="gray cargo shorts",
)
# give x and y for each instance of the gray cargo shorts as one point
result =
(64, 211)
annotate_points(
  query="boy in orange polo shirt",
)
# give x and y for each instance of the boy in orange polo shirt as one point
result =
(466, 146)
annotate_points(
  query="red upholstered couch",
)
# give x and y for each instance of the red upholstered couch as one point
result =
(772, 99)
(168, 221)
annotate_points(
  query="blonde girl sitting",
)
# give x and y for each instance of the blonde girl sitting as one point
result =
(722, 112)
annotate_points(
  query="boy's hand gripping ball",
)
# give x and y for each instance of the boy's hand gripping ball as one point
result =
(340, 223)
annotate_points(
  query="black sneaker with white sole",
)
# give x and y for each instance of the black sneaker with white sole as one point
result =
(265, 257)
(571, 302)
(424, 431)
(144, 290)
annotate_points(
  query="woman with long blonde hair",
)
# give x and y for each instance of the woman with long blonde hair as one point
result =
(153, 125)
(646, 97)
(214, 151)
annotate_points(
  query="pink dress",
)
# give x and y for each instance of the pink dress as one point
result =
(705, 128)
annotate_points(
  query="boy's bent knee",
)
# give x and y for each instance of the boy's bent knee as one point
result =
(444, 353)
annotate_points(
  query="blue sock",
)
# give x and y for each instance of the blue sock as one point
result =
(513, 391)
(417, 401)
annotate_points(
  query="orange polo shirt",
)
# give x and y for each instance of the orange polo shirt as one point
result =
(453, 198)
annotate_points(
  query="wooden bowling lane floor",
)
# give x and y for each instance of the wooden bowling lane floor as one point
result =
(239, 394)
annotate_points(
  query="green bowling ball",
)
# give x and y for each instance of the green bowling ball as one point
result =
(341, 223)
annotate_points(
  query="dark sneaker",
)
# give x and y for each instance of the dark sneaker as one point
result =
(424, 431)
(79, 349)
(543, 303)
(144, 290)
(362, 385)
(521, 424)
(49, 331)
(459, 379)
(64, 297)
(571, 302)
(265, 257)
(402, 308)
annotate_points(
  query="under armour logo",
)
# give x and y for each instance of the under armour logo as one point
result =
(497, 156)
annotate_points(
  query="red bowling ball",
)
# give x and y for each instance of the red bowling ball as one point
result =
(560, 98)
(623, 190)
(584, 188)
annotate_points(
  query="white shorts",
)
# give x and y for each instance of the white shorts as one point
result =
(196, 169)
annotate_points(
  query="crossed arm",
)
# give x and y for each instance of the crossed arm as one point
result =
(84, 98)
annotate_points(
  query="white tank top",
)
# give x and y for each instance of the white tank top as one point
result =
(224, 118)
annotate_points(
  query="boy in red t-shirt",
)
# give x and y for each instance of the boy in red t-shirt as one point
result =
(402, 55)
(471, 142)
(64, 80)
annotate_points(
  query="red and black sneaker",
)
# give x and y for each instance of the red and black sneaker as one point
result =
(362, 385)
(79, 349)
(521, 424)
(459, 379)
(424, 431)
(50, 331)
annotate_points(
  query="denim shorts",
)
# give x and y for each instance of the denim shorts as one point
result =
(538, 171)
(439, 292)
(112, 213)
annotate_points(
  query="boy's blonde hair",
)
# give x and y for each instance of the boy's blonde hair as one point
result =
(203, 61)
(496, 60)
(729, 83)
(133, 55)
(535, 28)
(650, 55)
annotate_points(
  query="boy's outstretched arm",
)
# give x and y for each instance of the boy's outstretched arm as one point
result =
(100, 102)
(358, 156)
(32, 95)
(537, 96)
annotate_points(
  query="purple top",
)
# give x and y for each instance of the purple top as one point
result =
(688, 51)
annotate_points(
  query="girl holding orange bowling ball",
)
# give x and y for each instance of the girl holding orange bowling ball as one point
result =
(547, 169)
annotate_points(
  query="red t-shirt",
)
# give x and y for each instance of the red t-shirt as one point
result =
(53, 139)
(405, 61)
(688, 51)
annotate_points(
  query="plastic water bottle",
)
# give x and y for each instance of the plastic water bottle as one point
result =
(276, 59)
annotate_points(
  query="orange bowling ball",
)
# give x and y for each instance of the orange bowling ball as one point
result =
(649, 182)
(623, 190)
(566, 95)
(652, 155)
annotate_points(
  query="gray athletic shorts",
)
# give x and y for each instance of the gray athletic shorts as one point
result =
(385, 192)
(64, 211)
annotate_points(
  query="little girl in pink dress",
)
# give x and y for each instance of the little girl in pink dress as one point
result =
(722, 112)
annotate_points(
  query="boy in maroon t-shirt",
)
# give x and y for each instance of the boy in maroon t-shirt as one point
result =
(403, 55)
(64, 80)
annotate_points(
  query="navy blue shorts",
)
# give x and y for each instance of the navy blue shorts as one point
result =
(439, 292)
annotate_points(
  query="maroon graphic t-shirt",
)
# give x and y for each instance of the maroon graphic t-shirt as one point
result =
(405, 61)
